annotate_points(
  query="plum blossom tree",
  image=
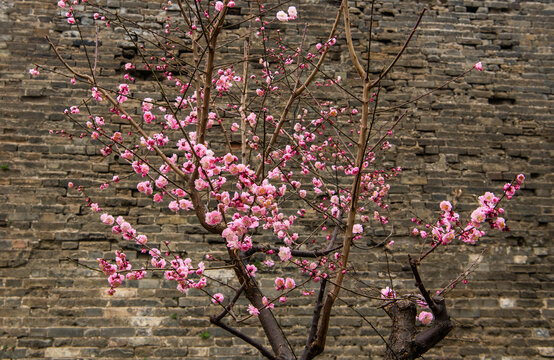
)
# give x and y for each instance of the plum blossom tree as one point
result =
(234, 141)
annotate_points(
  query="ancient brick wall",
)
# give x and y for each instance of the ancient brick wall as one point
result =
(474, 135)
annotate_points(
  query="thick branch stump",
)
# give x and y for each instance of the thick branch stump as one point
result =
(404, 341)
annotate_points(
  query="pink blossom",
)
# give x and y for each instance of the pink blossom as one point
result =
(115, 280)
(147, 104)
(292, 13)
(289, 283)
(279, 283)
(161, 182)
(34, 72)
(145, 187)
(124, 89)
(110, 292)
(357, 229)
(500, 223)
(269, 263)
(478, 66)
(173, 206)
(185, 204)
(219, 6)
(217, 298)
(446, 206)
(251, 119)
(388, 293)
(284, 253)
(282, 16)
(478, 216)
(267, 304)
(128, 155)
(158, 262)
(448, 237)
(425, 317)
(251, 270)
(213, 217)
(136, 275)
(141, 239)
(317, 182)
(148, 117)
(229, 158)
(107, 219)
(252, 310)
(96, 95)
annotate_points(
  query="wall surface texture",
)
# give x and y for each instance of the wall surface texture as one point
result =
(474, 135)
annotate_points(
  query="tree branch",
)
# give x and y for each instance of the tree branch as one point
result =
(351, 50)
(230, 305)
(389, 68)
(440, 328)
(441, 325)
(296, 93)
(298, 253)
(273, 332)
(309, 351)
(419, 284)
(265, 352)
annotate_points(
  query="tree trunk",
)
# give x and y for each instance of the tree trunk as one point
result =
(404, 341)
(401, 340)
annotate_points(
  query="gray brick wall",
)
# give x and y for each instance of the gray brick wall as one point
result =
(473, 135)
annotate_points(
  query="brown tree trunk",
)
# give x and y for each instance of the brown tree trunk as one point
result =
(401, 340)
(404, 342)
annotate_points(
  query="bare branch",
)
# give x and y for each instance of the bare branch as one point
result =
(420, 286)
(265, 352)
(298, 253)
(351, 51)
(391, 65)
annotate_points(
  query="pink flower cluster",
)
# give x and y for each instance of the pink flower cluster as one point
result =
(219, 5)
(226, 78)
(282, 284)
(181, 272)
(115, 278)
(446, 228)
(291, 14)
(388, 293)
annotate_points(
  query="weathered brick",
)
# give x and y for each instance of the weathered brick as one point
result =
(473, 135)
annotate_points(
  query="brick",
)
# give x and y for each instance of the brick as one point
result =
(474, 135)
